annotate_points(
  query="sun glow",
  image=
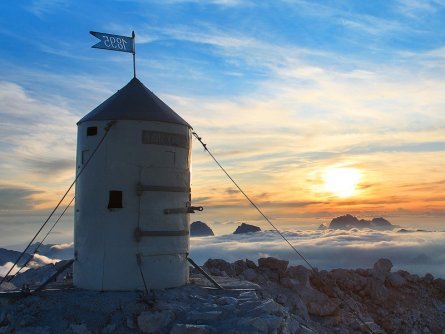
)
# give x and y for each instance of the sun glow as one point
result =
(341, 181)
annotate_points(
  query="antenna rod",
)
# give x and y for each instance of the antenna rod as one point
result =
(133, 35)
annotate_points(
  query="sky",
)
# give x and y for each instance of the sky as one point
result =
(316, 108)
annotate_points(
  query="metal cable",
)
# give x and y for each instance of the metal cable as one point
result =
(353, 312)
(41, 242)
(107, 128)
(139, 262)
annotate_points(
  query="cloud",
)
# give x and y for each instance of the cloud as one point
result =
(7, 266)
(41, 8)
(417, 252)
(43, 140)
(16, 198)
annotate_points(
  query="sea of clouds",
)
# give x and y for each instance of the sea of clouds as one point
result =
(418, 252)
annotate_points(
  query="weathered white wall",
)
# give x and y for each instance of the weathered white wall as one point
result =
(105, 246)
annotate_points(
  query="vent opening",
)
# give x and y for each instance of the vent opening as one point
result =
(91, 130)
(115, 199)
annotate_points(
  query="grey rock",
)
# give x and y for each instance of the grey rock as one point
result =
(396, 280)
(266, 324)
(251, 264)
(131, 323)
(204, 316)
(226, 301)
(248, 295)
(274, 264)
(377, 291)
(250, 274)
(79, 329)
(33, 330)
(281, 299)
(301, 273)
(192, 329)
(381, 268)
(151, 322)
(109, 329)
(220, 265)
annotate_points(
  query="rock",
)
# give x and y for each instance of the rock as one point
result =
(439, 284)
(152, 322)
(428, 278)
(250, 264)
(320, 305)
(269, 307)
(381, 268)
(268, 324)
(413, 278)
(33, 330)
(204, 316)
(109, 329)
(249, 274)
(289, 283)
(297, 306)
(300, 273)
(239, 266)
(27, 320)
(226, 301)
(79, 329)
(396, 280)
(131, 323)
(376, 290)
(192, 329)
(271, 263)
(248, 295)
(322, 227)
(200, 229)
(220, 265)
(246, 228)
(281, 299)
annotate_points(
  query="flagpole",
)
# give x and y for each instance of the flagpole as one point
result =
(133, 35)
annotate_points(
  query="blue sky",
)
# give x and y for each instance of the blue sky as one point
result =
(281, 90)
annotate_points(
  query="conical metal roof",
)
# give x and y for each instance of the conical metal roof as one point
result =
(134, 102)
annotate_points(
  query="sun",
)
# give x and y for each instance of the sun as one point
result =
(341, 181)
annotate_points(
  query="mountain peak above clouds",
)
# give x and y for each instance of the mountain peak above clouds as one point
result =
(349, 221)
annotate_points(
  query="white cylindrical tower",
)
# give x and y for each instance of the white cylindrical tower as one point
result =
(133, 198)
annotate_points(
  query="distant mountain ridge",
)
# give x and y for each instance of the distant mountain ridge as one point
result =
(7, 255)
(348, 221)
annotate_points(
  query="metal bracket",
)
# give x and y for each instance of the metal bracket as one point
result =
(190, 209)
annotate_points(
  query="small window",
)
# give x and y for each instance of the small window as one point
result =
(115, 199)
(91, 130)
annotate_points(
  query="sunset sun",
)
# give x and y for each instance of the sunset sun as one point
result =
(341, 181)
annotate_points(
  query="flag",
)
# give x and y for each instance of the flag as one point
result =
(114, 42)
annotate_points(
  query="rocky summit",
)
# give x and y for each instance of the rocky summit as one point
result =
(348, 221)
(246, 228)
(267, 296)
(200, 229)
